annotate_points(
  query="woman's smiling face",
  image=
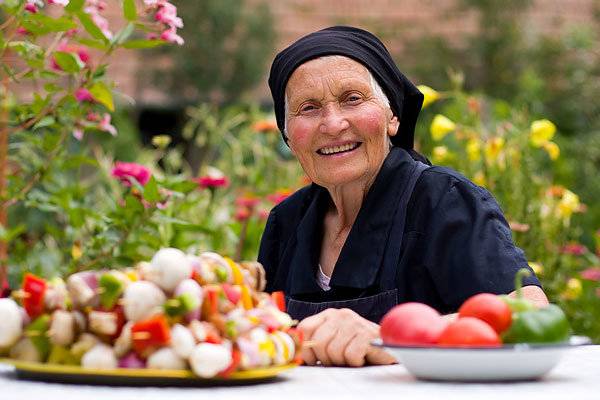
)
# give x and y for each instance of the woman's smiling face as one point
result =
(337, 123)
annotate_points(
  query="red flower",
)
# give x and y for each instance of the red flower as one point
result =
(81, 52)
(82, 94)
(575, 249)
(125, 170)
(591, 274)
(248, 202)
(279, 196)
(208, 181)
(242, 214)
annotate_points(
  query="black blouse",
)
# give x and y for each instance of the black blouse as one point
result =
(456, 241)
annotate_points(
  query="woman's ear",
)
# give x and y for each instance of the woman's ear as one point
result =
(393, 125)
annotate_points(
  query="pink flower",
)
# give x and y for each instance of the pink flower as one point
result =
(22, 31)
(263, 215)
(591, 274)
(573, 248)
(171, 36)
(208, 181)
(81, 52)
(242, 214)
(78, 133)
(82, 94)
(104, 125)
(31, 7)
(167, 14)
(126, 170)
(279, 196)
(59, 2)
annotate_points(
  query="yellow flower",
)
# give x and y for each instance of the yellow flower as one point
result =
(474, 149)
(430, 95)
(479, 178)
(536, 267)
(552, 149)
(493, 147)
(441, 126)
(568, 204)
(573, 289)
(541, 131)
(440, 154)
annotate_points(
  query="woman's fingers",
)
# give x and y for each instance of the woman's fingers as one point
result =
(323, 336)
(377, 356)
(308, 327)
(335, 349)
(356, 351)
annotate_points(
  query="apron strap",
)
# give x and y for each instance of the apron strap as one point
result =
(387, 280)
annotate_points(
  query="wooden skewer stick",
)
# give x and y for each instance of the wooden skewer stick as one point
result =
(308, 344)
(20, 294)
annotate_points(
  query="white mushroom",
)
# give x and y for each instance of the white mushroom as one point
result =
(100, 356)
(85, 342)
(123, 343)
(182, 341)
(56, 295)
(103, 323)
(165, 358)
(167, 268)
(141, 300)
(81, 292)
(62, 328)
(25, 350)
(208, 359)
(11, 322)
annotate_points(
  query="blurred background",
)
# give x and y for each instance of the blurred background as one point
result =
(512, 88)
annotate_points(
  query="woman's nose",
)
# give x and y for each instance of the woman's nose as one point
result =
(334, 121)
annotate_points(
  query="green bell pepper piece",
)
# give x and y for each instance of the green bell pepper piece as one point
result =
(37, 332)
(61, 355)
(112, 288)
(180, 305)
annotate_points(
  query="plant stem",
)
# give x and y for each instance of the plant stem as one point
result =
(3, 163)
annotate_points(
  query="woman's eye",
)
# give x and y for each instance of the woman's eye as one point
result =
(307, 107)
(353, 98)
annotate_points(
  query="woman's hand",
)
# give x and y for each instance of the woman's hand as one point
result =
(342, 338)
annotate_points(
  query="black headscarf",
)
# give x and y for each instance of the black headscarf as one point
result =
(365, 48)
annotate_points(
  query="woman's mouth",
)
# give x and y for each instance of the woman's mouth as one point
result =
(332, 150)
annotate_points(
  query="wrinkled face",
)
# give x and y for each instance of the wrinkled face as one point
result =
(337, 125)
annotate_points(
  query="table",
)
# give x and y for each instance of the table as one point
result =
(577, 377)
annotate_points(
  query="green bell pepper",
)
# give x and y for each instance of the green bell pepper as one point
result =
(37, 331)
(111, 290)
(535, 325)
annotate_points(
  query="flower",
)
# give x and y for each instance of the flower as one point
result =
(78, 133)
(479, 178)
(441, 126)
(104, 125)
(572, 290)
(541, 131)
(429, 95)
(62, 3)
(474, 149)
(591, 274)
(209, 181)
(493, 148)
(552, 149)
(126, 170)
(265, 126)
(93, 8)
(32, 6)
(167, 14)
(568, 204)
(279, 196)
(555, 191)
(474, 105)
(573, 248)
(440, 154)
(263, 215)
(537, 268)
(248, 201)
(171, 36)
(82, 94)
(242, 214)
(80, 51)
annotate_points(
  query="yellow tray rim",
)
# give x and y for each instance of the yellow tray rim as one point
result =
(58, 369)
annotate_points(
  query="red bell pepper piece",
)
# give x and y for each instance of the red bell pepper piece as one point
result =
(150, 333)
(35, 289)
(236, 358)
(210, 304)
(279, 300)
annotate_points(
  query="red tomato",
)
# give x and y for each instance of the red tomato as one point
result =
(412, 324)
(489, 308)
(469, 331)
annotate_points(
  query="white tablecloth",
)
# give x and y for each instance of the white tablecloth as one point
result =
(577, 377)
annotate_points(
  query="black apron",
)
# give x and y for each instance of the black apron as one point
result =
(372, 307)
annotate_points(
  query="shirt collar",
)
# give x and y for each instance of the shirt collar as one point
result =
(362, 254)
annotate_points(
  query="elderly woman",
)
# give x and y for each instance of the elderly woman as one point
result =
(378, 226)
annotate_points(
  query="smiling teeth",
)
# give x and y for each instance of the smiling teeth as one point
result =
(338, 149)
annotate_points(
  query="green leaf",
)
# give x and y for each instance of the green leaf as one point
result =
(102, 95)
(123, 34)
(143, 44)
(91, 27)
(151, 191)
(129, 11)
(181, 224)
(93, 43)
(41, 24)
(44, 122)
(68, 62)
(74, 5)
(7, 235)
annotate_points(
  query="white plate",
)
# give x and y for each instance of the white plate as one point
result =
(506, 363)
